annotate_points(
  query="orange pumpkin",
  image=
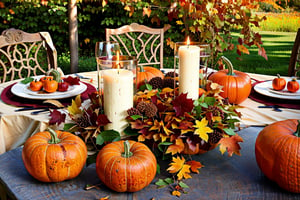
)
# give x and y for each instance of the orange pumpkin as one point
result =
(236, 84)
(293, 85)
(36, 85)
(277, 153)
(278, 83)
(50, 85)
(126, 166)
(146, 74)
(54, 156)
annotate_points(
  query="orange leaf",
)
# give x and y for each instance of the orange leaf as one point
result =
(104, 198)
(195, 165)
(176, 148)
(231, 145)
(242, 48)
(176, 193)
(178, 165)
(146, 11)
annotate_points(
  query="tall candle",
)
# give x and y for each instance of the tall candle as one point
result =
(118, 97)
(189, 60)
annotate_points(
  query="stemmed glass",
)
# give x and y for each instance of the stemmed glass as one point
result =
(105, 50)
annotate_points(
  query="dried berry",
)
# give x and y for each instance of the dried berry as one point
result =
(133, 111)
(169, 82)
(151, 110)
(156, 82)
(141, 106)
(215, 136)
(171, 74)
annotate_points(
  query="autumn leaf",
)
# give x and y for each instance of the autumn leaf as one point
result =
(102, 120)
(178, 166)
(57, 117)
(182, 104)
(231, 144)
(74, 108)
(72, 80)
(178, 147)
(104, 198)
(176, 193)
(262, 52)
(146, 11)
(202, 129)
(242, 49)
(195, 165)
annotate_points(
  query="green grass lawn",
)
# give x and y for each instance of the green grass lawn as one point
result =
(278, 46)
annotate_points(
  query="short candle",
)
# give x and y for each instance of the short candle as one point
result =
(118, 97)
(189, 60)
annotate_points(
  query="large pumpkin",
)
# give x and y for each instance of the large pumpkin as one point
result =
(126, 166)
(236, 84)
(146, 74)
(277, 151)
(54, 156)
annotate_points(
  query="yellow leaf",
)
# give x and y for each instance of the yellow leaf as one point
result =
(74, 109)
(179, 22)
(176, 193)
(157, 126)
(242, 48)
(78, 101)
(192, 29)
(184, 172)
(141, 138)
(146, 11)
(178, 147)
(176, 165)
(202, 129)
(163, 137)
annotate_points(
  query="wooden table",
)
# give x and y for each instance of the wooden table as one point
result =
(223, 177)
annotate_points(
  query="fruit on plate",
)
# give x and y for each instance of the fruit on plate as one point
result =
(50, 86)
(54, 156)
(278, 83)
(63, 86)
(236, 84)
(126, 166)
(277, 152)
(293, 85)
(36, 85)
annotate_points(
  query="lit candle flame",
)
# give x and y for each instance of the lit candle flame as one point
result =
(118, 61)
(188, 40)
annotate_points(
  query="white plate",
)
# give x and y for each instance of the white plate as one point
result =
(265, 88)
(22, 90)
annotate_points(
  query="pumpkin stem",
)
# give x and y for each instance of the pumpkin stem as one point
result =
(142, 68)
(229, 65)
(54, 139)
(297, 133)
(127, 153)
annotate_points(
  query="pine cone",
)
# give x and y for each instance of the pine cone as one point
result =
(133, 111)
(150, 110)
(156, 82)
(83, 121)
(171, 74)
(141, 106)
(169, 82)
(215, 136)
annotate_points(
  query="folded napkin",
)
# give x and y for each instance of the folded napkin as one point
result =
(8, 97)
(270, 101)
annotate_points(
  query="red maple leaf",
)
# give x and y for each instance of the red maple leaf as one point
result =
(102, 120)
(182, 104)
(72, 80)
(57, 117)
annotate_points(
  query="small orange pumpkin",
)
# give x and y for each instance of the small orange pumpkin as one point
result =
(277, 153)
(278, 83)
(50, 85)
(36, 85)
(293, 85)
(126, 166)
(236, 84)
(54, 156)
(146, 74)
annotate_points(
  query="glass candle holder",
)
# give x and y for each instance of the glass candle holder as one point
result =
(119, 62)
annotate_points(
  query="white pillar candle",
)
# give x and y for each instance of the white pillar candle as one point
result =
(118, 97)
(189, 60)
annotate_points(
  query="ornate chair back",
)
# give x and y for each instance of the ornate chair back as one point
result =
(141, 41)
(294, 65)
(25, 54)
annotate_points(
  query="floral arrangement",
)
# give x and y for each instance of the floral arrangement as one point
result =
(171, 124)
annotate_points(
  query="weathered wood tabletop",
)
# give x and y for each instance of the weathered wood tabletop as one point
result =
(223, 177)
